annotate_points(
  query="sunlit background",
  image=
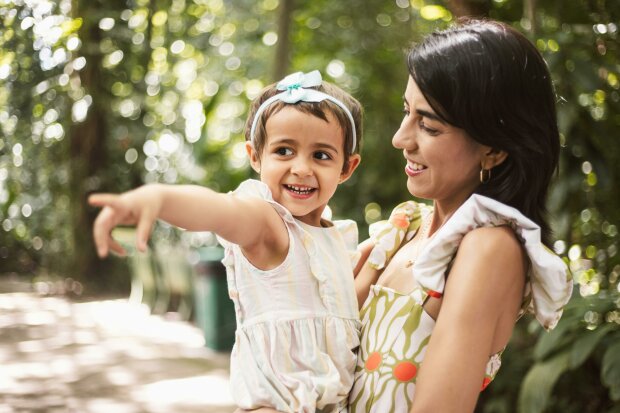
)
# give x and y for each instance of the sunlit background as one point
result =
(106, 95)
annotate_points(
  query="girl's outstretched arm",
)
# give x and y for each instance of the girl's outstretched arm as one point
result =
(249, 222)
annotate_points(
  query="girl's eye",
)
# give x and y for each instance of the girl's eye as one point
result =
(323, 156)
(430, 131)
(406, 111)
(284, 151)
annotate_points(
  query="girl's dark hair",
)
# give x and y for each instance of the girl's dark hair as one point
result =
(488, 79)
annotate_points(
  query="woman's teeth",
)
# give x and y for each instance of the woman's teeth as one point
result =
(417, 166)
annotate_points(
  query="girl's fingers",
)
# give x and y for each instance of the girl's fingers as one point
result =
(143, 229)
(104, 223)
(115, 247)
(101, 200)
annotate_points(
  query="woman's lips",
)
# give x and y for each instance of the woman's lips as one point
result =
(414, 169)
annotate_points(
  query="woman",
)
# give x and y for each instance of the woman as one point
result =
(480, 140)
(442, 287)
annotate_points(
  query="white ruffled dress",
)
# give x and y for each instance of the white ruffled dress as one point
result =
(396, 329)
(298, 324)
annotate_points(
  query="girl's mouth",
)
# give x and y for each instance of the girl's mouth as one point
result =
(300, 191)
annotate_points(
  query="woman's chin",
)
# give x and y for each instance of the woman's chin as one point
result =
(415, 190)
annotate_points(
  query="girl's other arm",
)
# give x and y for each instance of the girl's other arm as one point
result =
(364, 248)
(481, 301)
(364, 274)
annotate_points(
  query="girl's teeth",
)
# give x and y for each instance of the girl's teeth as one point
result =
(417, 167)
(299, 189)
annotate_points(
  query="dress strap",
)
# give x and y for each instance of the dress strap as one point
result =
(550, 282)
(388, 236)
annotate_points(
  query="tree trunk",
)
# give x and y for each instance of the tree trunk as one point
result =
(469, 8)
(529, 12)
(86, 148)
(282, 57)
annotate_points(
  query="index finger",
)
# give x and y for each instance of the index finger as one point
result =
(102, 199)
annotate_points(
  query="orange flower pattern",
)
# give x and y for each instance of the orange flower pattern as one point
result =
(395, 328)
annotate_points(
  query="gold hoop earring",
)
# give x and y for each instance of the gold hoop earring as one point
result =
(485, 175)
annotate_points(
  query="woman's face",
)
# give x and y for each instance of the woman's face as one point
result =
(443, 162)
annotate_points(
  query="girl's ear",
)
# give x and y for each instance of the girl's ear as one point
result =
(350, 167)
(253, 155)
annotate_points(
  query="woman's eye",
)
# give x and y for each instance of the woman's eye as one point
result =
(428, 130)
(406, 111)
(284, 151)
(322, 156)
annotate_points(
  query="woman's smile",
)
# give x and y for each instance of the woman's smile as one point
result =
(414, 169)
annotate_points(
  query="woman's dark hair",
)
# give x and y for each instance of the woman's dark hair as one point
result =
(489, 80)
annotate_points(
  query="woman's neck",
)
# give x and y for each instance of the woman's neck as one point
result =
(441, 215)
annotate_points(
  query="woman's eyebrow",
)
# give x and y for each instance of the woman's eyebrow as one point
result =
(430, 115)
(425, 113)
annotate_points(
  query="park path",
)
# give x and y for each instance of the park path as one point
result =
(107, 356)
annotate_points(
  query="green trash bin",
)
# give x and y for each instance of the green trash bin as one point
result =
(215, 311)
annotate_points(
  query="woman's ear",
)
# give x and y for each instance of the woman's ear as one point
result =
(350, 167)
(253, 155)
(493, 157)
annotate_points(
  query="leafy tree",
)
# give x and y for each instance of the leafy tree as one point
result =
(103, 96)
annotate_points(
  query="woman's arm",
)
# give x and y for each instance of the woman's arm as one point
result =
(481, 301)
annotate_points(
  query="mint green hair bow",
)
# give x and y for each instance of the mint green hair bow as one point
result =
(296, 88)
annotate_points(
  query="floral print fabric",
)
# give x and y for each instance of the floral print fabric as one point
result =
(396, 329)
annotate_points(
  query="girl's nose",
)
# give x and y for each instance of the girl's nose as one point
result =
(301, 167)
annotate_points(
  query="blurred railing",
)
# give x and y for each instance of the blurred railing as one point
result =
(170, 277)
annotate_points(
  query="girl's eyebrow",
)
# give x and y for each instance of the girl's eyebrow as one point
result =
(293, 142)
(326, 146)
(281, 141)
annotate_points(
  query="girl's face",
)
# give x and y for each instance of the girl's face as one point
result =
(443, 162)
(302, 162)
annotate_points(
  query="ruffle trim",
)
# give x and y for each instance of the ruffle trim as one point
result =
(549, 280)
(387, 236)
(347, 228)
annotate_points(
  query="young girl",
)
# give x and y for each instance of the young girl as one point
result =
(289, 268)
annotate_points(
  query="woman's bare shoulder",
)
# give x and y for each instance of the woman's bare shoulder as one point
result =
(489, 257)
(490, 246)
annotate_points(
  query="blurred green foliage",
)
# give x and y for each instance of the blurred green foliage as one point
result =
(105, 95)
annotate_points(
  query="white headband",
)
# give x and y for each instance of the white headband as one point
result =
(294, 87)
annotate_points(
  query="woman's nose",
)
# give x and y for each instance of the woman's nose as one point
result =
(404, 137)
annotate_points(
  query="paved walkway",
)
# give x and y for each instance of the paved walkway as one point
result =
(104, 357)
